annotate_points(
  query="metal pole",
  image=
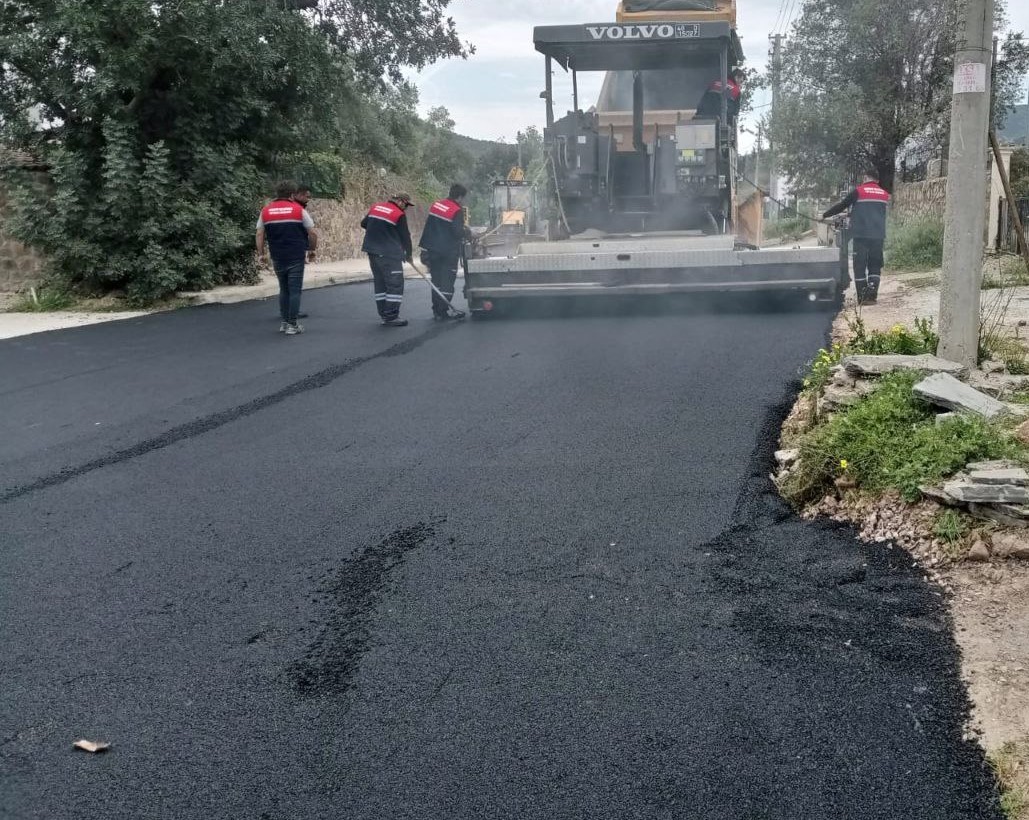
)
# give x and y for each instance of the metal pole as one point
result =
(575, 90)
(637, 112)
(549, 93)
(965, 218)
(724, 71)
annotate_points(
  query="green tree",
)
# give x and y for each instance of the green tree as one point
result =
(383, 36)
(861, 77)
(442, 160)
(161, 118)
(1020, 173)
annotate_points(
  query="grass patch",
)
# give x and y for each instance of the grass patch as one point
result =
(787, 228)
(890, 440)
(1008, 768)
(42, 300)
(915, 243)
(950, 526)
(1007, 349)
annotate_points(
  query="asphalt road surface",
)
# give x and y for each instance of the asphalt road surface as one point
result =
(526, 568)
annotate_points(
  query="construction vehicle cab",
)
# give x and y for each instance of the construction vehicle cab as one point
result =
(644, 191)
(514, 214)
(640, 160)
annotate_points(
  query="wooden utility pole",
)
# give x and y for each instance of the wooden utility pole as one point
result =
(965, 218)
(1016, 217)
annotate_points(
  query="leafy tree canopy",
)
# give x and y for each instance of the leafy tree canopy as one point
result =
(861, 77)
(383, 37)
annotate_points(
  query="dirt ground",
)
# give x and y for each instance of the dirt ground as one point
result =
(906, 296)
(989, 602)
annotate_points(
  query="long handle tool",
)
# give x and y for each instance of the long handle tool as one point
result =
(458, 314)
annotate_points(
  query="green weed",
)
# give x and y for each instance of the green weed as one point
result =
(915, 243)
(42, 300)
(890, 440)
(899, 339)
(950, 526)
(787, 228)
(821, 368)
(1007, 765)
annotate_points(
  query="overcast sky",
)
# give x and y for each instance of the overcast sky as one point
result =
(495, 93)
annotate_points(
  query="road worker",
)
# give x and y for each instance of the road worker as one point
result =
(442, 244)
(868, 203)
(387, 241)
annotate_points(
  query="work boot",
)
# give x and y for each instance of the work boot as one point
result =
(294, 329)
(394, 322)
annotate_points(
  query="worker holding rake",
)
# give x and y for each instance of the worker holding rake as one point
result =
(442, 243)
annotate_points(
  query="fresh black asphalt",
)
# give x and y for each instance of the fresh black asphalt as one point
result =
(525, 568)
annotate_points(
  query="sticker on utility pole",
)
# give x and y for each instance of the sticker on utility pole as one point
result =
(970, 78)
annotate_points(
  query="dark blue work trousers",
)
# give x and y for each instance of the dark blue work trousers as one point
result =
(291, 283)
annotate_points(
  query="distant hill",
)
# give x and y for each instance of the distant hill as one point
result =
(1015, 126)
(476, 148)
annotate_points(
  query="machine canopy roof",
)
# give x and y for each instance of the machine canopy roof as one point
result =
(636, 46)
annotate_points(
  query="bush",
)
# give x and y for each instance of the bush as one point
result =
(891, 440)
(143, 227)
(322, 173)
(43, 300)
(915, 243)
(792, 228)
(899, 339)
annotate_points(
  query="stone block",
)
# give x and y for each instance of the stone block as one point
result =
(968, 491)
(943, 390)
(1009, 515)
(1015, 476)
(996, 464)
(787, 458)
(881, 365)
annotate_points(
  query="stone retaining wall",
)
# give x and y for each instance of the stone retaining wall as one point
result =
(338, 221)
(926, 198)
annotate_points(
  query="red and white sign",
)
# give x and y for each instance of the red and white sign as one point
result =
(970, 78)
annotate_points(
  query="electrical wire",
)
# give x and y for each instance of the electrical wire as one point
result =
(778, 19)
(789, 17)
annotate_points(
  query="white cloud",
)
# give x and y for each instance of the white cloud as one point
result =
(496, 92)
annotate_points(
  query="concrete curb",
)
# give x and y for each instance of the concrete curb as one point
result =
(318, 275)
(322, 275)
